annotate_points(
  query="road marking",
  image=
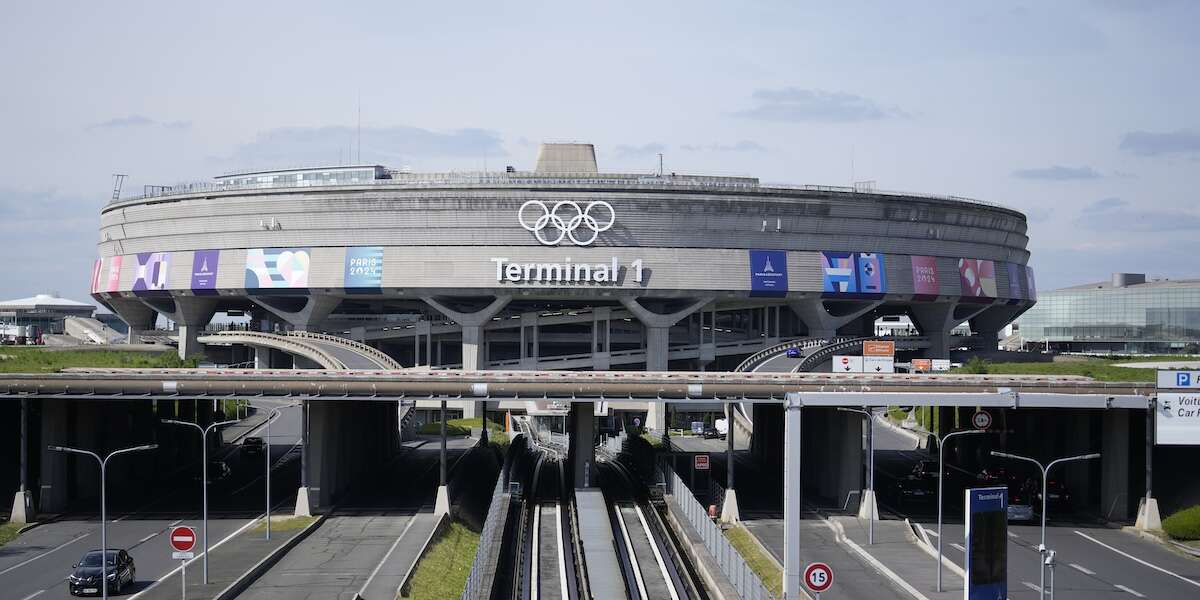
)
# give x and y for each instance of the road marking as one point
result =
(1082, 569)
(148, 538)
(199, 555)
(930, 532)
(34, 595)
(1125, 589)
(1012, 535)
(1136, 559)
(379, 566)
(47, 553)
(1033, 586)
(958, 547)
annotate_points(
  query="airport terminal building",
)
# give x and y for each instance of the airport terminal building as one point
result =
(559, 267)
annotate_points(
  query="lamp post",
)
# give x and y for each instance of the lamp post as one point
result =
(870, 468)
(103, 502)
(1045, 470)
(275, 414)
(942, 440)
(203, 476)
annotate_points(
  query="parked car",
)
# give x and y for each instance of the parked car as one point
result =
(1022, 494)
(252, 446)
(920, 485)
(711, 433)
(85, 580)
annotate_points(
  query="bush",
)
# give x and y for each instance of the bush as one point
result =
(451, 429)
(1183, 525)
(976, 365)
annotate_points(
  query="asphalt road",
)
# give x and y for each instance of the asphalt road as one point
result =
(37, 564)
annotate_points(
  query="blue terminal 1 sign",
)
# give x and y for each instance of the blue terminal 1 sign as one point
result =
(986, 544)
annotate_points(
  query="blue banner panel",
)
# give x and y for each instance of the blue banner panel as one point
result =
(839, 275)
(768, 273)
(871, 277)
(987, 544)
(364, 268)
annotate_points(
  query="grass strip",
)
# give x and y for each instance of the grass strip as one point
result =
(757, 559)
(288, 524)
(36, 360)
(8, 532)
(442, 572)
(1100, 370)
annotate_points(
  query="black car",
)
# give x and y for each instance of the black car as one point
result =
(920, 485)
(218, 470)
(252, 446)
(85, 581)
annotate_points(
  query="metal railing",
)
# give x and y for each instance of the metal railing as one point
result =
(731, 563)
(479, 584)
(280, 342)
(385, 361)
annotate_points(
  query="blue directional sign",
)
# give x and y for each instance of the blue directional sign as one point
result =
(1179, 379)
(987, 544)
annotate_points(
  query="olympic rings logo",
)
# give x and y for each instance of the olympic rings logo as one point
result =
(566, 219)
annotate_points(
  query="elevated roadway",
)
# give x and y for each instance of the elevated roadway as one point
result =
(326, 351)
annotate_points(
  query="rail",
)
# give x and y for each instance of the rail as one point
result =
(385, 361)
(820, 354)
(758, 357)
(731, 563)
(479, 583)
(279, 342)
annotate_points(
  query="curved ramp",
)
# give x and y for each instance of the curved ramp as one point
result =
(355, 355)
(293, 346)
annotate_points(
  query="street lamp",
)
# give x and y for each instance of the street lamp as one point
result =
(1045, 470)
(203, 476)
(103, 503)
(942, 440)
(275, 414)
(870, 469)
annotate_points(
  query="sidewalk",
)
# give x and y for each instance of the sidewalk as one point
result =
(901, 557)
(226, 564)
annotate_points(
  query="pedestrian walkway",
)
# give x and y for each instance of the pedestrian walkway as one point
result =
(899, 556)
(227, 563)
(389, 574)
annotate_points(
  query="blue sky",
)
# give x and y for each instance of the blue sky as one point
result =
(1084, 115)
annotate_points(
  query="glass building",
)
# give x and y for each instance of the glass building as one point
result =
(1127, 315)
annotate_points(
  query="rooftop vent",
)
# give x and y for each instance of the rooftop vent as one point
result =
(566, 158)
(1120, 280)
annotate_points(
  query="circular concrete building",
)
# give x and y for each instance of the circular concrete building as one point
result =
(563, 266)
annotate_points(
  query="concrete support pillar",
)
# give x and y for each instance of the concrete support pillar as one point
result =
(729, 508)
(824, 317)
(22, 510)
(601, 338)
(937, 319)
(136, 315)
(474, 346)
(658, 338)
(792, 509)
(315, 311)
(189, 345)
(1114, 465)
(303, 497)
(988, 323)
(582, 444)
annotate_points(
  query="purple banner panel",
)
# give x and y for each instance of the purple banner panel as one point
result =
(204, 270)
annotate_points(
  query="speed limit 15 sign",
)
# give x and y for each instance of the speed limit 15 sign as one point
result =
(818, 577)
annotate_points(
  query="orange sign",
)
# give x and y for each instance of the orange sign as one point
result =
(879, 348)
(922, 364)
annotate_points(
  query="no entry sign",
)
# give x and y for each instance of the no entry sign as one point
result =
(183, 539)
(701, 463)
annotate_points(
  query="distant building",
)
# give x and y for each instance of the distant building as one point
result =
(44, 313)
(1125, 315)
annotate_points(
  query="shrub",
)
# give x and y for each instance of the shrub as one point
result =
(976, 365)
(1183, 525)
(451, 429)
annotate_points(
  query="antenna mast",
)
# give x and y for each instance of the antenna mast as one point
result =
(118, 179)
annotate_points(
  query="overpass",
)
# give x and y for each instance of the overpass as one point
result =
(306, 349)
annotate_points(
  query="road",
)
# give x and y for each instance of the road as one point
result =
(37, 564)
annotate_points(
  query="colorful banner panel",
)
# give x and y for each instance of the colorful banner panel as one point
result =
(114, 274)
(853, 273)
(151, 273)
(364, 267)
(768, 273)
(924, 276)
(978, 277)
(96, 275)
(1031, 288)
(204, 270)
(1016, 281)
(277, 268)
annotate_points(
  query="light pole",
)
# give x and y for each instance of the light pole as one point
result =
(870, 469)
(1045, 470)
(203, 476)
(103, 503)
(275, 413)
(942, 440)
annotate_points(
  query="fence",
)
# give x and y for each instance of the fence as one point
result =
(731, 563)
(483, 569)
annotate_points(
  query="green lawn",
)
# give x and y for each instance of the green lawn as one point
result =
(290, 524)
(36, 360)
(1099, 369)
(761, 563)
(8, 532)
(442, 572)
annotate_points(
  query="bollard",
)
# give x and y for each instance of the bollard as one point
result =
(712, 511)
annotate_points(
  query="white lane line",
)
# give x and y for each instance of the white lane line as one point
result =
(1125, 589)
(1082, 569)
(47, 553)
(633, 561)
(198, 557)
(1033, 586)
(662, 566)
(959, 547)
(562, 566)
(1138, 560)
(1012, 535)
(930, 532)
(34, 595)
(379, 566)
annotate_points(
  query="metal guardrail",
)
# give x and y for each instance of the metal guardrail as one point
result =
(326, 360)
(731, 563)
(384, 360)
(754, 359)
(478, 583)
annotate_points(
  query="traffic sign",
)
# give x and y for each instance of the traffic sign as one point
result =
(818, 577)
(878, 348)
(878, 364)
(701, 462)
(1179, 379)
(847, 364)
(922, 365)
(981, 419)
(183, 538)
(183, 555)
